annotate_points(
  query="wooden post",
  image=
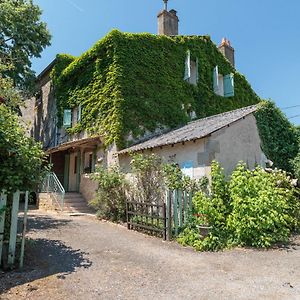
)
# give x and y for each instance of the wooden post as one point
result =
(127, 216)
(169, 215)
(190, 200)
(185, 207)
(66, 172)
(3, 199)
(78, 171)
(180, 208)
(24, 231)
(175, 210)
(13, 229)
(165, 222)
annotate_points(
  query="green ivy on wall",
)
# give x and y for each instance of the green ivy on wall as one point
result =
(132, 83)
(279, 137)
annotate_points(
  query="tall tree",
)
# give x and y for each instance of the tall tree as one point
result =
(23, 36)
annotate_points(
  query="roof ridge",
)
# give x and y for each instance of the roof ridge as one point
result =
(222, 114)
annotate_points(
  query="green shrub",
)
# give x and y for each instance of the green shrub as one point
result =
(110, 201)
(209, 210)
(262, 207)
(147, 181)
(255, 208)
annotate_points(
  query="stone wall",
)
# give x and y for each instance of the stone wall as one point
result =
(39, 114)
(45, 202)
(88, 187)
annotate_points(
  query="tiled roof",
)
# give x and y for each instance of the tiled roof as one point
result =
(194, 130)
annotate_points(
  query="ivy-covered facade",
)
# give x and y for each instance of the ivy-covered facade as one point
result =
(125, 88)
(130, 84)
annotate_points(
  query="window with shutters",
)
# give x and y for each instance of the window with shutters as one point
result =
(223, 85)
(191, 74)
(67, 121)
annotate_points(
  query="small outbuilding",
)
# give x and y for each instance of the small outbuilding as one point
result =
(227, 138)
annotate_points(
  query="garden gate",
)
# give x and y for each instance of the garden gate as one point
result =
(165, 219)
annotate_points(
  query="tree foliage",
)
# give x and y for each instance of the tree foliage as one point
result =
(22, 160)
(11, 96)
(23, 36)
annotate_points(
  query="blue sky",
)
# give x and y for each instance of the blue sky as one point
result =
(264, 33)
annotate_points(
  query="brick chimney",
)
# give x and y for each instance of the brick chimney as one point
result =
(228, 51)
(167, 21)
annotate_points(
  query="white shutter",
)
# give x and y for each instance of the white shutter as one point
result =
(216, 79)
(187, 72)
(79, 113)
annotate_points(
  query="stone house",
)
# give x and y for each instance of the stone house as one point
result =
(129, 88)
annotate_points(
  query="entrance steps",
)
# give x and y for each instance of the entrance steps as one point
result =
(74, 203)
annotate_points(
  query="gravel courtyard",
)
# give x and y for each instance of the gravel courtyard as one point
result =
(82, 258)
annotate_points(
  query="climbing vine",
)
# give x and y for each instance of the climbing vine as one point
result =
(279, 137)
(132, 83)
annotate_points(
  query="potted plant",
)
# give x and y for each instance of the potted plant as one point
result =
(203, 225)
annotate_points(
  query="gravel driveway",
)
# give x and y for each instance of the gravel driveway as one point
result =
(82, 258)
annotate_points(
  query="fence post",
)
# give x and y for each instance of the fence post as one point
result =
(180, 207)
(127, 215)
(24, 230)
(169, 215)
(13, 228)
(185, 207)
(165, 222)
(3, 199)
(175, 210)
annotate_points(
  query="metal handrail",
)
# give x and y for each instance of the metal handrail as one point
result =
(53, 186)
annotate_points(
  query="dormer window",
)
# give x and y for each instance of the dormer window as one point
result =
(223, 85)
(191, 74)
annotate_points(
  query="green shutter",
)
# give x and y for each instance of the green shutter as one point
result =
(67, 118)
(229, 85)
(216, 79)
(187, 71)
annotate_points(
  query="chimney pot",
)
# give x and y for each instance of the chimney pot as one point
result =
(168, 22)
(227, 50)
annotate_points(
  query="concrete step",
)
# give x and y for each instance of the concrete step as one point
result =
(86, 210)
(74, 200)
(73, 195)
(73, 203)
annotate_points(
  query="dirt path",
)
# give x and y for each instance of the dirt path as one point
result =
(81, 258)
